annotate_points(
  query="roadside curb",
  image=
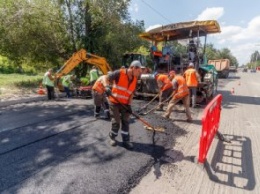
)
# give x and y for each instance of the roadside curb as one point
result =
(21, 100)
(5, 103)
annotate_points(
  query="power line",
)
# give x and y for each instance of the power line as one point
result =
(156, 11)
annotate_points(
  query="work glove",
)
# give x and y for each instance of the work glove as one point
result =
(108, 91)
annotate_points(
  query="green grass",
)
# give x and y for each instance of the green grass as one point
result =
(15, 84)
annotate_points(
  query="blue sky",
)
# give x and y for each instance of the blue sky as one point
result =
(239, 20)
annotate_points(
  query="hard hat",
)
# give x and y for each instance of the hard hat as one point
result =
(136, 63)
(191, 65)
(172, 72)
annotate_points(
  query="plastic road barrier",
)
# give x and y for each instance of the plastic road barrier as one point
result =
(210, 124)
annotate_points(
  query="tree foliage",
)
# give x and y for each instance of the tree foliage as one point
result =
(45, 33)
(49, 31)
(224, 53)
(32, 29)
(254, 60)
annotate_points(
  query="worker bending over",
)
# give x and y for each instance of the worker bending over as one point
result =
(180, 92)
(165, 89)
(120, 99)
(100, 98)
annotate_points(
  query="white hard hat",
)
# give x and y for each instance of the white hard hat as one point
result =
(191, 64)
(136, 63)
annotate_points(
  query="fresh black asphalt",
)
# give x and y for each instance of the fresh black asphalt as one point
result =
(59, 147)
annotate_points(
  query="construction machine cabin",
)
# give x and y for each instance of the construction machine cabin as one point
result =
(167, 59)
(190, 31)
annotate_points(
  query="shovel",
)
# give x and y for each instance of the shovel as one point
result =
(145, 106)
(153, 109)
(147, 126)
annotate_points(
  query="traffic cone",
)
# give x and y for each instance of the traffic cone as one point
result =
(232, 91)
(41, 90)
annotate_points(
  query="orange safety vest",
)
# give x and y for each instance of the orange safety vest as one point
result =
(191, 77)
(165, 80)
(123, 89)
(182, 89)
(98, 85)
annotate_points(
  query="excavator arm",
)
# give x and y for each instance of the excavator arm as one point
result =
(83, 56)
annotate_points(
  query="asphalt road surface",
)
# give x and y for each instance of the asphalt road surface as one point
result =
(58, 147)
(231, 168)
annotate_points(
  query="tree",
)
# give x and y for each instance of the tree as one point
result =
(213, 54)
(32, 29)
(49, 31)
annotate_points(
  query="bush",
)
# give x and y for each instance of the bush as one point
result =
(30, 83)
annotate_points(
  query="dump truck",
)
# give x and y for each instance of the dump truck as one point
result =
(222, 66)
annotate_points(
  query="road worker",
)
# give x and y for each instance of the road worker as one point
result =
(192, 79)
(120, 99)
(48, 81)
(180, 92)
(100, 98)
(93, 75)
(165, 89)
(67, 83)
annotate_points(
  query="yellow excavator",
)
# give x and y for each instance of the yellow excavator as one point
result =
(83, 56)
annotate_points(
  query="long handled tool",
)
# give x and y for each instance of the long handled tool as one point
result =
(148, 126)
(145, 106)
(153, 109)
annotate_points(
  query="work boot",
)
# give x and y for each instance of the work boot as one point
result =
(96, 112)
(97, 116)
(112, 140)
(107, 114)
(128, 145)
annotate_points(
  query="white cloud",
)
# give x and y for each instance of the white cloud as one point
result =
(241, 41)
(230, 33)
(254, 26)
(213, 13)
